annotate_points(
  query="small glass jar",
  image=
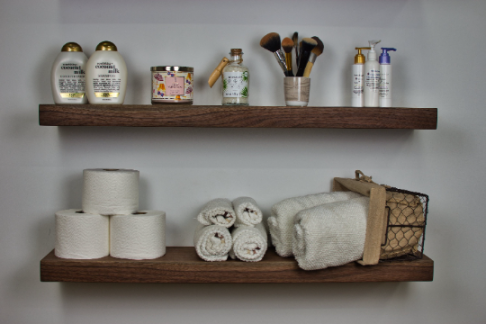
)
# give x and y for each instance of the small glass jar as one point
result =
(236, 80)
(172, 84)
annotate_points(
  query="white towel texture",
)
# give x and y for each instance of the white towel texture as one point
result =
(247, 212)
(249, 243)
(281, 222)
(330, 235)
(218, 212)
(212, 242)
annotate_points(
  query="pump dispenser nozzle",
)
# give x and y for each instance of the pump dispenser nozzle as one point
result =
(372, 53)
(385, 57)
(360, 58)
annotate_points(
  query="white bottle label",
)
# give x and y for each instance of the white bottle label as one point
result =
(235, 84)
(385, 84)
(71, 81)
(373, 80)
(107, 80)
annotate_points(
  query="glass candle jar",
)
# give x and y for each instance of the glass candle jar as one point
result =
(172, 84)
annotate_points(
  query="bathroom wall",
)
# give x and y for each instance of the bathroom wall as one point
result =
(439, 63)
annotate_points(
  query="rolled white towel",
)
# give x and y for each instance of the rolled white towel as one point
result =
(249, 243)
(281, 222)
(212, 242)
(218, 211)
(330, 235)
(247, 212)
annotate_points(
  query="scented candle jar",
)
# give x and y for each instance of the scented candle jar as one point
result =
(172, 84)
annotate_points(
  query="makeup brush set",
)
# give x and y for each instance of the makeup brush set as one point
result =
(306, 52)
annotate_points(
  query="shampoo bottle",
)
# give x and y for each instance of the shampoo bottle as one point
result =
(67, 75)
(358, 73)
(372, 77)
(385, 78)
(106, 75)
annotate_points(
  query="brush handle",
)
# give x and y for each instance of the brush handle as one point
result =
(279, 55)
(304, 58)
(288, 61)
(217, 72)
(309, 65)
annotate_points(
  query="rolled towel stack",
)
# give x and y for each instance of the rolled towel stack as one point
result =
(248, 238)
(109, 221)
(331, 234)
(281, 222)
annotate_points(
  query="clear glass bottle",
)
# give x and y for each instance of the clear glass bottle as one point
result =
(236, 80)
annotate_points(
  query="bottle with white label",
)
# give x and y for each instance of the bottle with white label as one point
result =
(358, 74)
(67, 75)
(372, 77)
(386, 77)
(106, 75)
(236, 80)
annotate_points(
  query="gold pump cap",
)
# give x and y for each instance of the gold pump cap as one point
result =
(360, 58)
(71, 47)
(106, 46)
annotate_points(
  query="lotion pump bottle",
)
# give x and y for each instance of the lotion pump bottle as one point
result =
(106, 75)
(372, 77)
(67, 75)
(358, 73)
(386, 77)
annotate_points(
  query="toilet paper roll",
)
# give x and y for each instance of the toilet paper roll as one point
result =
(110, 191)
(138, 236)
(81, 236)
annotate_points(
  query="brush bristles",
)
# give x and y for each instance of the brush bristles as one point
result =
(271, 42)
(319, 47)
(308, 43)
(287, 45)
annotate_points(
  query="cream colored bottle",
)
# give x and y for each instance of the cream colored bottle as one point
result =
(236, 80)
(106, 75)
(68, 75)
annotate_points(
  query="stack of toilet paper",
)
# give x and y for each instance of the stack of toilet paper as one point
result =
(231, 228)
(110, 222)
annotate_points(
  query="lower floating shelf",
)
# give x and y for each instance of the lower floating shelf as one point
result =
(182, 265)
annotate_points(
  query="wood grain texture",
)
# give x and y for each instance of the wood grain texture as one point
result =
(182, 265)
(237, 116)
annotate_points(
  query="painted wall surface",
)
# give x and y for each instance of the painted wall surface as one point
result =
(439, 63)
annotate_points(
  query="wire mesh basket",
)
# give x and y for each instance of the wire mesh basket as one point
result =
(405, 225)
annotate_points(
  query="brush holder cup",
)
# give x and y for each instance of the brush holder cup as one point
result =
(297, 91)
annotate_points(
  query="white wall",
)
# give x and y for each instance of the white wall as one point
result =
(439, 63)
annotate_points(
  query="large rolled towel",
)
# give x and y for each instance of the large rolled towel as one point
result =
(249, 243)
(281, 222)
(212, 242)
(218, 211)
(330, 235)
(247, 212)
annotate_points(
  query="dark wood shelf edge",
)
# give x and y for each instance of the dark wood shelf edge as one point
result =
(237, 116)
(182, 265)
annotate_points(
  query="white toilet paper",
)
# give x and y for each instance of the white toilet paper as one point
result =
(81, 236)
(110, 191)
(138, 236)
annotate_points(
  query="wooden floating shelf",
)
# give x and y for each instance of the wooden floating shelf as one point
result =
(182, 265)
(237, 116)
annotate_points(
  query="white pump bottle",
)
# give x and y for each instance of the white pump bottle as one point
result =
(372, 77)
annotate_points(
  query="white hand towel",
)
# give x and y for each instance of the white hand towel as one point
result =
(212, 242)
(281, 222)
(330, 235)
(247, 212)
(249, 243)
(218, 211)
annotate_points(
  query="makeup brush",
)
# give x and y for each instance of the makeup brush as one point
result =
(288, 45)
(271, 42)
(308, 45)
(295, 39)
(316, 51)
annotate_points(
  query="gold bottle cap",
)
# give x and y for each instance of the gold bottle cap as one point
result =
(71, 47)
(106, 46)
(360, 58)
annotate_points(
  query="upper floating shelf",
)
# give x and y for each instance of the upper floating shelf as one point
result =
(237, 116)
